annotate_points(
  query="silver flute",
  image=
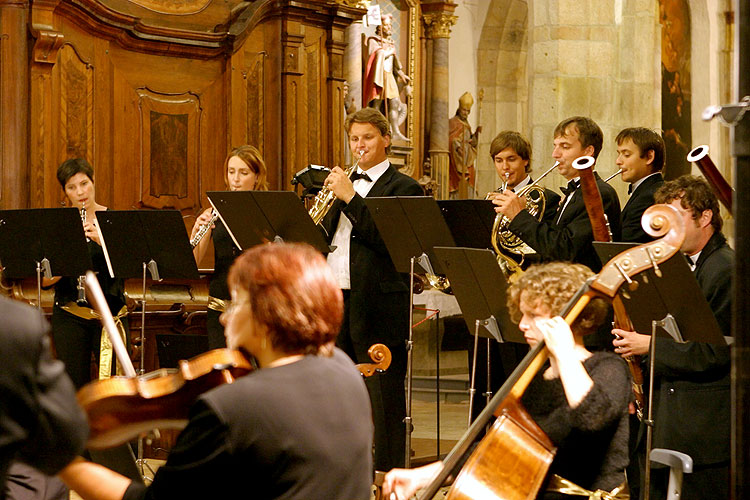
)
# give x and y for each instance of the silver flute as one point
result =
(203, 230)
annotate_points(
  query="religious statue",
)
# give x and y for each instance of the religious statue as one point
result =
(463, 150)
(384, 78)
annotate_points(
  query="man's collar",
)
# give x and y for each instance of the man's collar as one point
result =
(640, 181)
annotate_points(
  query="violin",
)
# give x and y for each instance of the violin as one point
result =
(381, 356)
(512, 460)
(119, 409)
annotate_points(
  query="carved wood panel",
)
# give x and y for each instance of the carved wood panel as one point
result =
(169, 149)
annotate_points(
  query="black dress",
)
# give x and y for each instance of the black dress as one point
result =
(592, 439)
(297, 431)
(77, 338)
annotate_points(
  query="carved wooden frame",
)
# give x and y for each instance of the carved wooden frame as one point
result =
(155, 176)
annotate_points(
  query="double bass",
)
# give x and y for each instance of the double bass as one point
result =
(512, 460)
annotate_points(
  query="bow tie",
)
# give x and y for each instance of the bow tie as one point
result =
(570, 188)
(630, 189)
(360, 175)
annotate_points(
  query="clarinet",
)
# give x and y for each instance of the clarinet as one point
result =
(81, 285)
(203, 231)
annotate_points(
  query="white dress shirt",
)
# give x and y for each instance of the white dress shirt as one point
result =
(338, 260)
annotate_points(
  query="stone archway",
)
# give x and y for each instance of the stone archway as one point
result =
(501, 75)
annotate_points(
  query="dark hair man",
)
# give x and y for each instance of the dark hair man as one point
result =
(376, 297)
(692, 399)
(569, 237)
(640, 155)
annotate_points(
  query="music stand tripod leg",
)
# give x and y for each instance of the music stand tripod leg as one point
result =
(409, 344)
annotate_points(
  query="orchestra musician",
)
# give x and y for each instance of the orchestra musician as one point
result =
(376, 297)
(76, 329)
(297, 428)
(640, 156)
(511, 155)
(244, 170)
(692, 392)
(41, 424)
(579, 399)
(569, 237)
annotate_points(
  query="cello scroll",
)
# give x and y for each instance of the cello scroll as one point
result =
(381, 356)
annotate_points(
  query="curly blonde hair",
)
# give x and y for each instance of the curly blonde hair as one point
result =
(552, 286)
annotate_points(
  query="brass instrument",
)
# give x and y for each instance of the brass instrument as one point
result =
(203, 230)
(504, 241)
(324, 199)
(81, 284)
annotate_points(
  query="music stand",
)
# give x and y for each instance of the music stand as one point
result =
(255, 217)
(470, 221)
(134, 241)
(31, 244)
(410, 226)
(480, 288)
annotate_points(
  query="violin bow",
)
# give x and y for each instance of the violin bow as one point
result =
(659, 221)
(100, 305)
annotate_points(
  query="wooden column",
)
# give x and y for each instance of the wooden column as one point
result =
(438, 19)
(14, 95)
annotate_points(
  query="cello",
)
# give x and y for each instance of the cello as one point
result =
(511, 461)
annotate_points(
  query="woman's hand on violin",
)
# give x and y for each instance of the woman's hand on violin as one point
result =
(402, 484)
(630, 343)
(338, 182)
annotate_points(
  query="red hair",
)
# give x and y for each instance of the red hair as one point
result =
(292, 293)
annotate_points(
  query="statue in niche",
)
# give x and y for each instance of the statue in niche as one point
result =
(385, 79)
(463, 150)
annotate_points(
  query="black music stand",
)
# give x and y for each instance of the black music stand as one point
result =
(470, 221)
(43, 242)
(410, 226)
(676, 294)
(480, 285)
(255, 217)
(134, 241)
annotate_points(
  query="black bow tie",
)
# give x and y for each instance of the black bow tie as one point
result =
(360, 175)
(570, 188)
(630, 189)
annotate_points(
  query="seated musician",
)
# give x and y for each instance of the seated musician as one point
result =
(580, 399)
(297, 428)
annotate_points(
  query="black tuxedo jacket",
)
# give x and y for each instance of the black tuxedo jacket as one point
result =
(692, 395)
(569, 238)
(640, 200)
(379, 300)
(40, 420)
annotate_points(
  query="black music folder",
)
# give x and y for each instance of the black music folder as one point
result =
(675, 293)
(255, 217)
(155, 238)
(30, 236)
(411, 226)
(480, 288)
(470, 221)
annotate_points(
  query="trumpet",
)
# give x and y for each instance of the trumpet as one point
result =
(325, 197)
(503, 240)
(203, 230)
